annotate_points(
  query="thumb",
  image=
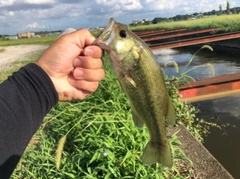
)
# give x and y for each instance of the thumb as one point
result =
(82, 37)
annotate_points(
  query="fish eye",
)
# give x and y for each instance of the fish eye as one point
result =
(123, 33)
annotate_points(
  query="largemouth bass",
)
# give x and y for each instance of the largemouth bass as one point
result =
(141, 78)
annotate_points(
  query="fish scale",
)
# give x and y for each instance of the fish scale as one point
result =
(141, 79)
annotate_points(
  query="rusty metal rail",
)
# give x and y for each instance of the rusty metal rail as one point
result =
(194, 41)
(160, 36)
(144, 32)
(205, 89)
(161, 33)
(211, 88)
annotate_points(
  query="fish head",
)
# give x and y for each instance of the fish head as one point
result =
(119, 43)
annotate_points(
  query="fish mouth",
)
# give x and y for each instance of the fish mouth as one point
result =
(106, 37)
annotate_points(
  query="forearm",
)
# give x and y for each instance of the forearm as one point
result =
(25, 98)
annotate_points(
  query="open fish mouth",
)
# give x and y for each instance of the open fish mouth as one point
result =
(106, 37)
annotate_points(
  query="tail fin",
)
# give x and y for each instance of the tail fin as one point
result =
(157, 154)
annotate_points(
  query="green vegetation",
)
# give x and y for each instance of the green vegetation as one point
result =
(225, 22)
(96, 32)
(98, 138)
(101, 139)
(228, 8)
(41, 40)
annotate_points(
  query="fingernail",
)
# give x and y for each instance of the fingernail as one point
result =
(77, 62)
(88, 52)
(78, 73)
(71, 79)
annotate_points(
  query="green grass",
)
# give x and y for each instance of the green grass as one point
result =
(226, 22)
(101, 140)
(41, 40)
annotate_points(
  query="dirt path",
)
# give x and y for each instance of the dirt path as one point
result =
(10, 54)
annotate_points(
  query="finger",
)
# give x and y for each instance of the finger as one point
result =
(84, 37)
(88, 74)
(84, 85)
(93, 51)
(80, 94)
(88, 62)
(81, 38)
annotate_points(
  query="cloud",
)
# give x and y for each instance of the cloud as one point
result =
(70, 1)
(116, 5)
(34, 26)
(15, 5)
(62, 14)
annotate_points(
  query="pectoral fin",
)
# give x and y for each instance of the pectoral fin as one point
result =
(138, 122)
(171, 116)
(130, 80)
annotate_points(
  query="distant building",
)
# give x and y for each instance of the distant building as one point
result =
(26, 35)
(135, 21)
(140, 21)
(11, 37)
(100, 28)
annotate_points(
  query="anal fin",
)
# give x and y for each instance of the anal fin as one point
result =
(138, 122)
(171, 115)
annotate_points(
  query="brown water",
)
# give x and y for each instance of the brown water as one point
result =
(223, 144)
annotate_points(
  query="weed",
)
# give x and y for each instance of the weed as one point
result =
(225, 22)
(42, 40)
(100, 138)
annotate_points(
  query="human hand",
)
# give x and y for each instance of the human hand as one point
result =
(73, 64)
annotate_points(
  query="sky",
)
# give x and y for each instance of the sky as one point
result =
(18, 16)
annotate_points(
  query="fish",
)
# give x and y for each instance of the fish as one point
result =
(141, 78)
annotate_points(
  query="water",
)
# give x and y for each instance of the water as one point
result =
(223, 62)
(223, 144)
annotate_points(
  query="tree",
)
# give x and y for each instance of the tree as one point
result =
(228, 8)
(220, 9)
(235, 11)
(213, 12)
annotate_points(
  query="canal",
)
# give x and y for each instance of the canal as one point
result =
(224, 145)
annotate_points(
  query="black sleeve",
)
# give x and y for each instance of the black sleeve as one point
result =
(25, 98)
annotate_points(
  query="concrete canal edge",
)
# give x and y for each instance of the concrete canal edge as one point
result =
(205, 165)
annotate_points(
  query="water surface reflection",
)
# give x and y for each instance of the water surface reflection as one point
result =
(223, 144)
(227, 63)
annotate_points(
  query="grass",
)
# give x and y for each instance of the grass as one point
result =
(100, 139)
(96, 138)
(226, 22)
(41, 40)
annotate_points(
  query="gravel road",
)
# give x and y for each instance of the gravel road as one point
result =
(17, 52)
